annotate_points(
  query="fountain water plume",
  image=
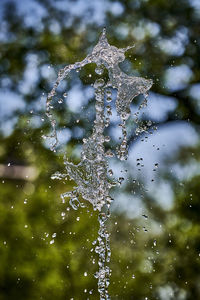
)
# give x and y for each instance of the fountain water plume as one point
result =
(91, 174)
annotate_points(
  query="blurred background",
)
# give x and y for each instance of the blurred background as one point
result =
(46, 249)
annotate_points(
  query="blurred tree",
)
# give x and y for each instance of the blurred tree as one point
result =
(161, 262)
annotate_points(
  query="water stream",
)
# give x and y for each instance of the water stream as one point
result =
(91, 175)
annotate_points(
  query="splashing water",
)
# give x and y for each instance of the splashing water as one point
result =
(91, 174)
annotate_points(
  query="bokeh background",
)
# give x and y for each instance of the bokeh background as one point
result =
(46, 249)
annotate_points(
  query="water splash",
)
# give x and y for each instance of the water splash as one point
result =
(91, 175)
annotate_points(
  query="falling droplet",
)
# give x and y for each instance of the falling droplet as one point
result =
(108, 93)
(110, 172)
(99, 70)
(108, 99)
(145, 216)
(99, 83)
(106, 139)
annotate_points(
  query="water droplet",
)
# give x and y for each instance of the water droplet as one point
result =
(110, 172)
(144, 229)
(145, 216)
(99, 70)
(60, 101)
(120, 179)
(108, 99)
(107, 139)
(85, 274)
(99, 83)
(108, 93)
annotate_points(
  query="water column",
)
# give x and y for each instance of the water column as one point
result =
(91, 174)
(103, 241)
